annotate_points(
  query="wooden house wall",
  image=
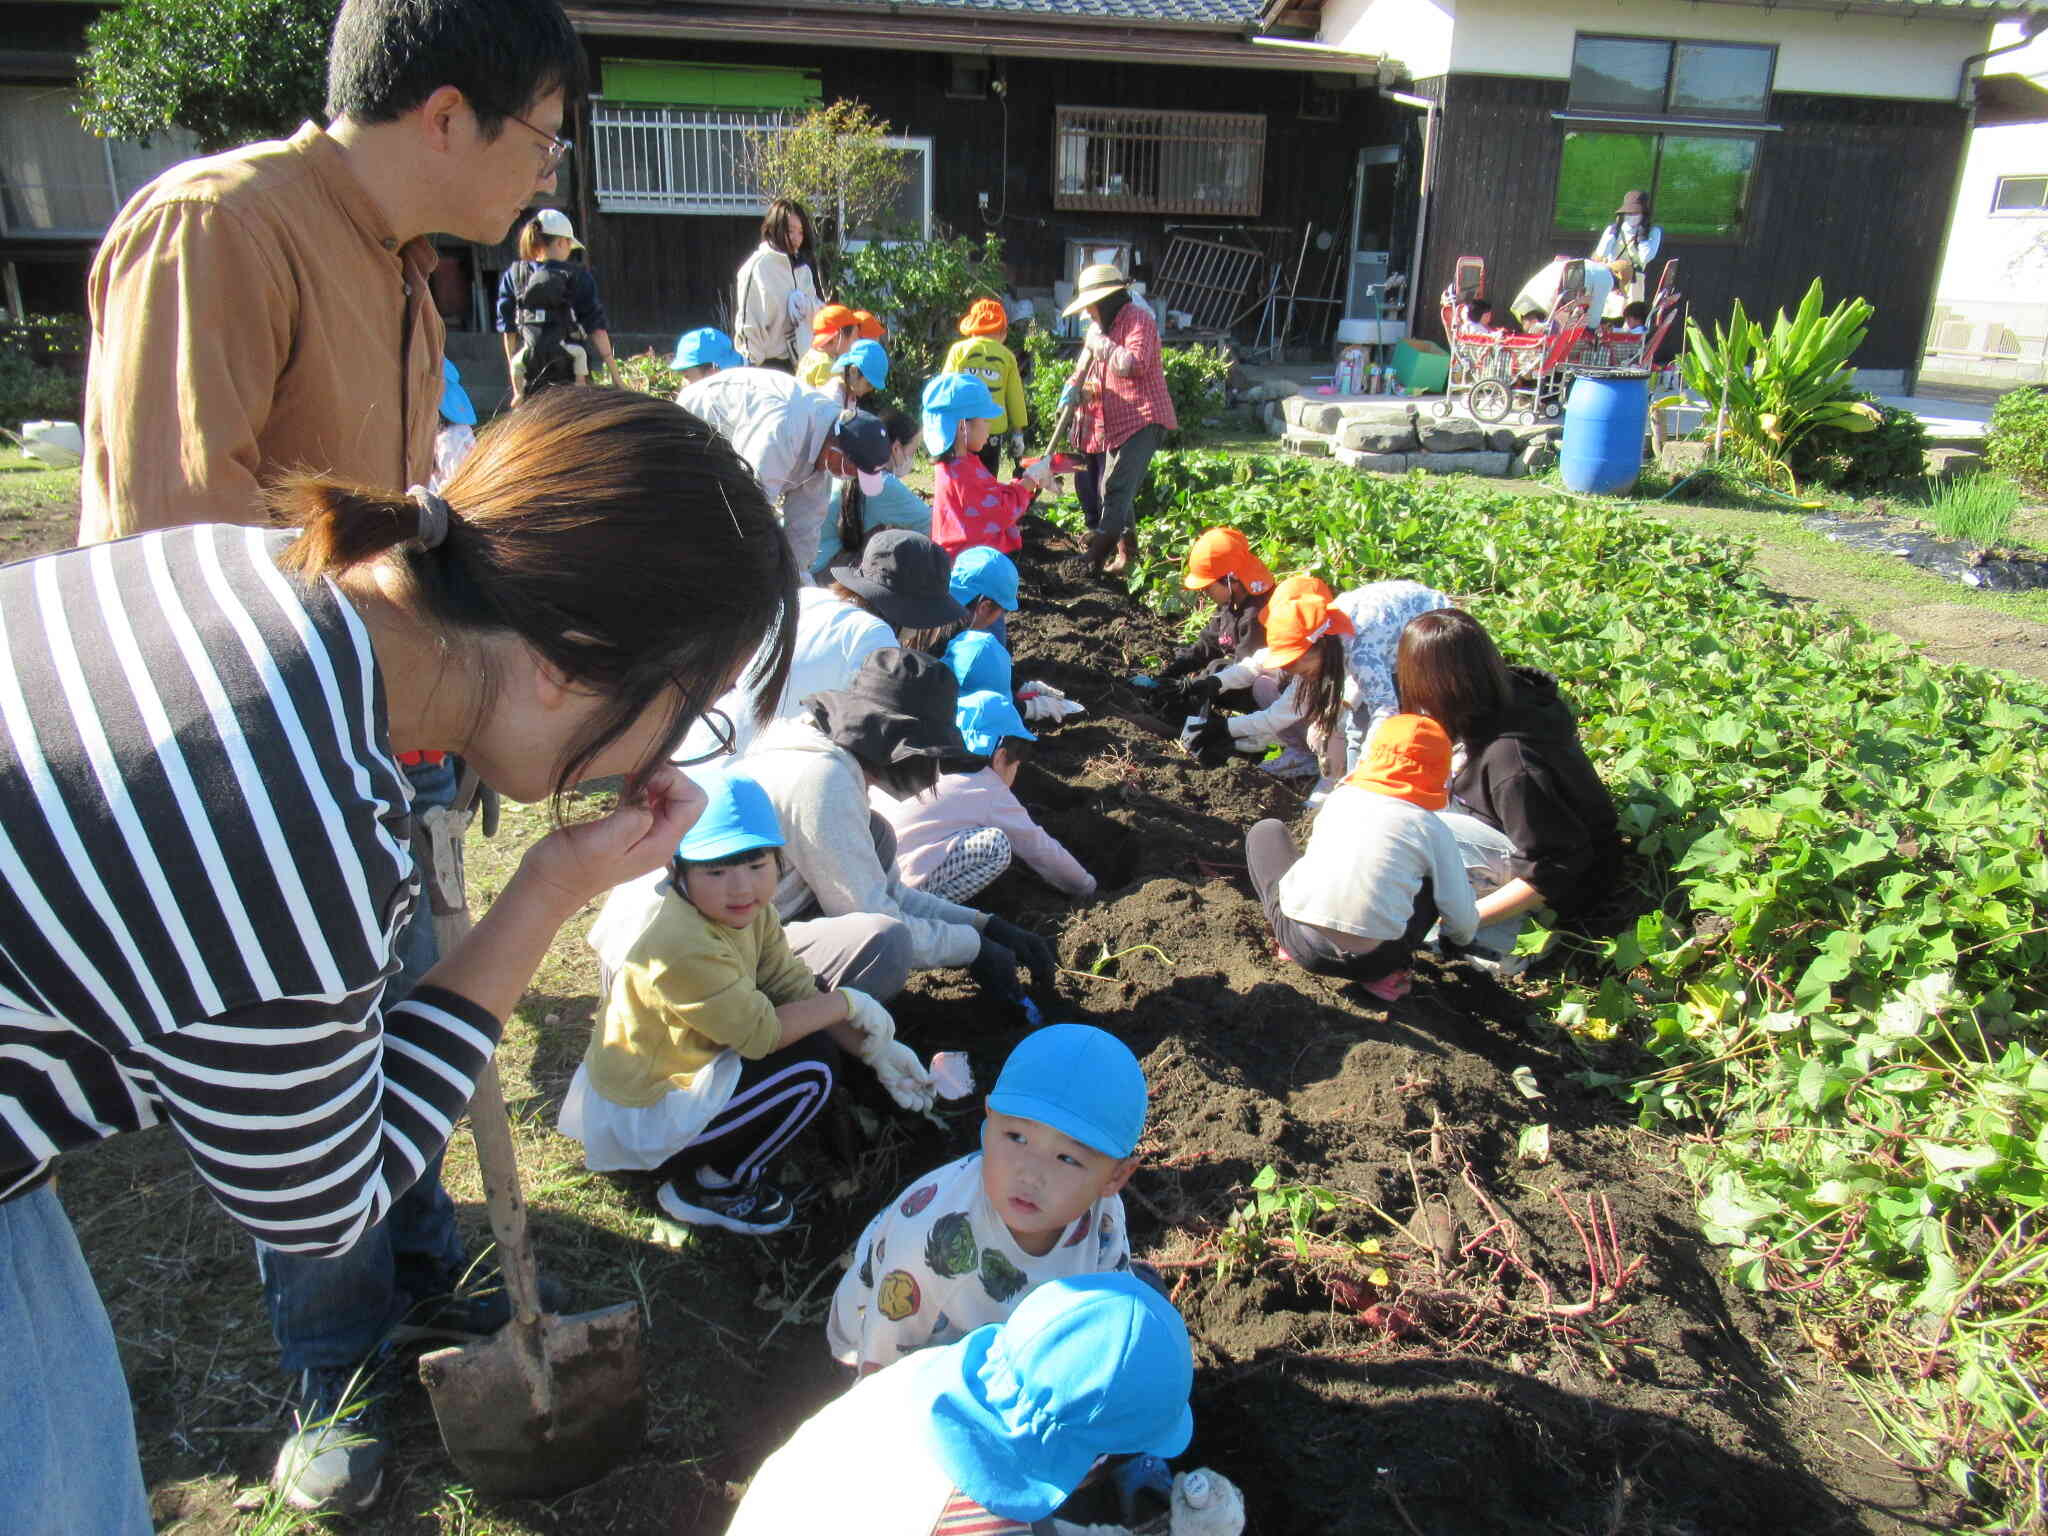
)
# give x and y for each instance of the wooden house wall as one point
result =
(666, 272)
(1853, 190)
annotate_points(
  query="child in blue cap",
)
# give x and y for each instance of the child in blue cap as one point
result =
(994, 1432)
(715, 1046)
(857, 373)
(457, 433)
(970, 506)
(984, 582)
(703, 352)
(955, 838)
(963, 1245)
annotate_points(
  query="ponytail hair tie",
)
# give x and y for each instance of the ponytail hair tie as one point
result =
(434, 517)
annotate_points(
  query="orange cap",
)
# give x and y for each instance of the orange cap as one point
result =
(831, 319)
(1408, 758)
(985, 317)
(871, 329)
(1222, 552)
(1296, 623)
(1298, 586)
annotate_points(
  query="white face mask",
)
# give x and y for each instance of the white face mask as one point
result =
(1632, 222)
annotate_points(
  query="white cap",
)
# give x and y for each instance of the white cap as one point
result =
(556, 226)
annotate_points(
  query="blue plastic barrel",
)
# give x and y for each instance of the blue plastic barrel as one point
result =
(1605, 418)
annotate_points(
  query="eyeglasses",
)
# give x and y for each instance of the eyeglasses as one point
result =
(720, 725)
(557, 145)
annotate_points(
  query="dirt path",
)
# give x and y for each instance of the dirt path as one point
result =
(1959, 633)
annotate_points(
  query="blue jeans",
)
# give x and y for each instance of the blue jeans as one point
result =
(335, 1312)
(67, 1429)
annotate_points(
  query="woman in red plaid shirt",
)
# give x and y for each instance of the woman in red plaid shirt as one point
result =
(1124, 412)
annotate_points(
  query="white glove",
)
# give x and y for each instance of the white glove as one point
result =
(801, 306)
(901, 1074)
(863, 1013)
(1206, 1503)
(1039, 472)
(1042, 701)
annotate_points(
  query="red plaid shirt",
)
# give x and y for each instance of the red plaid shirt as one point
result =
(1132, 383)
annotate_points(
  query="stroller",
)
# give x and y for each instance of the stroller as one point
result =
(1497, 374)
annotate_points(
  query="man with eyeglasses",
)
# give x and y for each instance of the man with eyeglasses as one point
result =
(266, 311)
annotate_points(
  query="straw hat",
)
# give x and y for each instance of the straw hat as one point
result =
(1097, 283)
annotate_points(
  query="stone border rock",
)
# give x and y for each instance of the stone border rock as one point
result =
(1393, 436)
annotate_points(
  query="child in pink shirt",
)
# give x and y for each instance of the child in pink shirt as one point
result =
(970, 506)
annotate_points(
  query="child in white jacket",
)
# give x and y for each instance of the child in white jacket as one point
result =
(953, 840)
(1381, 865)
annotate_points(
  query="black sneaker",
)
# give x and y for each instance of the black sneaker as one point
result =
(335, 1458)
(462, 1309)
(759, 1208)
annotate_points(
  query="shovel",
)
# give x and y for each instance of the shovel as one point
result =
(547, 1403)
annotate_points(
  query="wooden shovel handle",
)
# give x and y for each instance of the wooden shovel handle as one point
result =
(492, 1130)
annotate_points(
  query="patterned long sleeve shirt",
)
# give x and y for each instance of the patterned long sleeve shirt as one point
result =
(204, 864)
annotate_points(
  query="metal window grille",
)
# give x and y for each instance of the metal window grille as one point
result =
(1132, 160)
(675, 159)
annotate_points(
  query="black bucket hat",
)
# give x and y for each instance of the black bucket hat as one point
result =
(899, 707)
(904, 576)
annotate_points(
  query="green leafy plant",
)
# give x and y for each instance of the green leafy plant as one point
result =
(1975, 508)
(1836, 992)
(921, 289)
(226, 70)
(1780, 385)
(650, 373)
(2018, 441)
(41, 369)
(1858, 462)
(1277, 1214)
(834, 159)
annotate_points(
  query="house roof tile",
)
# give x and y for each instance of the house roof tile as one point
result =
(1208, 13)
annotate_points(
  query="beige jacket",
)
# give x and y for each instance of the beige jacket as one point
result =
(252, 314)
(773, 299)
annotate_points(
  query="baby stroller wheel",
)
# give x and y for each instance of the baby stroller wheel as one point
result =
(1441, 407)
(1552, 409)
(1489, 401)
(1527, 418)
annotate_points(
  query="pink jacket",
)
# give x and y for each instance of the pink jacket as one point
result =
(970, 506)
(927, 824)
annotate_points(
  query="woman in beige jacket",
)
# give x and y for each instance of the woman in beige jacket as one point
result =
(777, 289)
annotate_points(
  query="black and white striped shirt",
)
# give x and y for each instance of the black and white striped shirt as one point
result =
(204, 864)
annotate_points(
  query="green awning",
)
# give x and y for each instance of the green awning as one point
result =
(670, 83)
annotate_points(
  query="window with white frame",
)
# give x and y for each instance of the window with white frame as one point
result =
(59, 182)
(2021, 194)
(692, 160)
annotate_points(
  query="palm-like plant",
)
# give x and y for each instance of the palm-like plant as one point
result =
(1782, 384)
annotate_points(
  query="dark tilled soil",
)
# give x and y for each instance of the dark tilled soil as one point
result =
(1426, 1363)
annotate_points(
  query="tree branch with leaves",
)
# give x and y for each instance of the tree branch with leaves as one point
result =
(836, 160)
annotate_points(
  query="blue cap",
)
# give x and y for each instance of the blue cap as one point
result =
(869, 358)
(985, 717)
(455, 402)
(738, 817)
(983, 572)
(706, 344)
(950, 399)
(1081, 1081)
(979, 661)
(1017, 1412)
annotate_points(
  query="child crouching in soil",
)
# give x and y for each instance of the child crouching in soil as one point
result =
(1380, 868)
(970, 506)
(716, 1046)
(991, 1434)
(961, 1246)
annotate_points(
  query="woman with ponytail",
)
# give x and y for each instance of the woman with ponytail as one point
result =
(206, 827)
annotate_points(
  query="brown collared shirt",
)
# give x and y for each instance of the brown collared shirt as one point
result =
(253, 314)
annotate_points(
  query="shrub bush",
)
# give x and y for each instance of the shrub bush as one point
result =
(1857, 462)
(2018, 444)
(648, 372)
(34, 383)
(920, 290)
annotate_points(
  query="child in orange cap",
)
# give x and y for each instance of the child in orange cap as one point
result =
(1222, 567)
(1305, 646)
(984, 355)
(1381, 866)
(833, 329)
(868, 327)
(1275, 699)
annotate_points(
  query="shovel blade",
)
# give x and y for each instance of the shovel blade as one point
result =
(539, 1409)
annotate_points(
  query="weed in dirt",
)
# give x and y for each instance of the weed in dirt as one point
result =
(1978, 509)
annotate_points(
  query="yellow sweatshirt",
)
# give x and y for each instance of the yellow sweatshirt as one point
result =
(815, 369)
(689, 988)
(991, 362)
